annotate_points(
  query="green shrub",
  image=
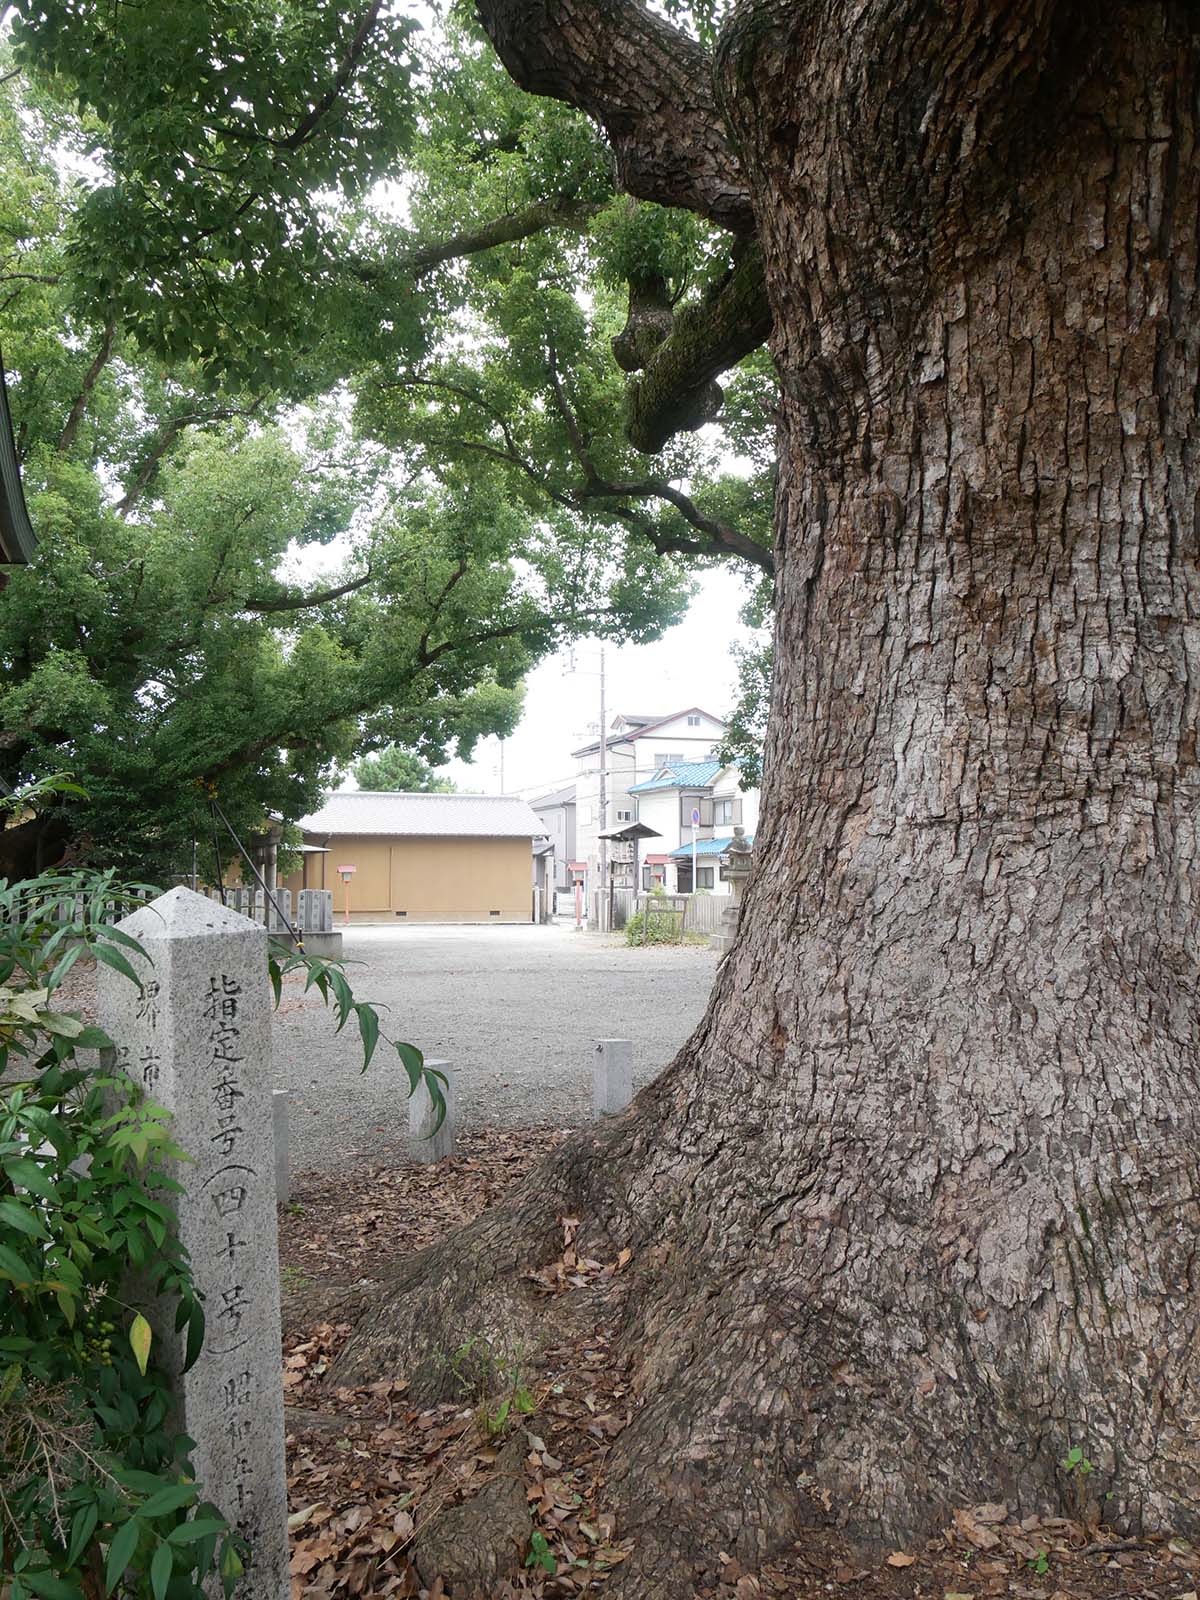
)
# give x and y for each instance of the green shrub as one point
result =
(97, 1497)
(96, 1494)
(664, 925)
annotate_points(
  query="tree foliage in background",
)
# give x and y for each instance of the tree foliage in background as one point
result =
(394, 768)
(744, 740)
(169, 637)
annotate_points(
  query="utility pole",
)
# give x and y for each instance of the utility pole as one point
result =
(601, 915)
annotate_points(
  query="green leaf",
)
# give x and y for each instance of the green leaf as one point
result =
(64, 964)
(50, 1585)
(140, 1482)
(12, 1266)
(140, 1336)
(83, 1525)
(15, 1215)
(113, 958)
(171, 1498)
(93, 1039)
(120, 1553)
(60, 1022)
(126, 939)
(161, 1567)
(200, 1528)
(413, 1061)
(30, 1175)
(231, 1566)
(195, 1335)
(368, 1027)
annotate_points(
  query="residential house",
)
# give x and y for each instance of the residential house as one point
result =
(422, 857)
(557, 813)
(668, 800)
(636, 747)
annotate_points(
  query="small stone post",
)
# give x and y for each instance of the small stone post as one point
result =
(424, 1145)
(283, 1160)
(612, 1076)
(197, 1036)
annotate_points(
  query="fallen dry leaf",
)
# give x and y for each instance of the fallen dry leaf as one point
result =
(974, 1531)
(899, 1559)
(990, 1512)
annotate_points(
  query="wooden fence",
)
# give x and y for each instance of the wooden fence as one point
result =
(704, 911)
(313, 911)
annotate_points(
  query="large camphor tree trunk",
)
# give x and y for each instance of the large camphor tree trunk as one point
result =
(916, 1209)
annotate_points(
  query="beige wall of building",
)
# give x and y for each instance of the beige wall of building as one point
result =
(429, 879)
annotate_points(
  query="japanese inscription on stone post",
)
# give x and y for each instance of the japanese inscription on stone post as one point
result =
(197, 1037)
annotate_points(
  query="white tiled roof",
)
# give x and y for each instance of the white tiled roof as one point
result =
(460, 816)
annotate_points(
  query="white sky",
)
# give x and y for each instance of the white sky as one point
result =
(690, 666)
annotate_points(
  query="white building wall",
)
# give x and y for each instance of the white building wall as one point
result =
(587, 799)
(630, 761)
(727, 786)
(660, 810)
(677, 736)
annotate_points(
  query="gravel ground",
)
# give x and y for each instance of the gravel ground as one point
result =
(515, 1009)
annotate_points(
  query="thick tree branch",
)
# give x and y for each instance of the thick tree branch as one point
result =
(90, 378)
(308, 125)
(677, 390)
(720, 538)
(448, 588)
(302, 602)
(648, 84)
(563, 212)
(725, 538)
(166, 437)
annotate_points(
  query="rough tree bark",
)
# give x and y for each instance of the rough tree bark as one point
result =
(916, 1208)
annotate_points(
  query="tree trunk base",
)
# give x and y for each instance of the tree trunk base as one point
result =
(775, 1381)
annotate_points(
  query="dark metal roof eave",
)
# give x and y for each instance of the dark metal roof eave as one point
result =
(17, 538)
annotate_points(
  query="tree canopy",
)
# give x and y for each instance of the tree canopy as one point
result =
(322, 463)
(394, 768)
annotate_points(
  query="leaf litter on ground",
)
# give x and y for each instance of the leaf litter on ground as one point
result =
(368, 1470)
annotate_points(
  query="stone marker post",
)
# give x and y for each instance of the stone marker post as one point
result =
(612, 1076)
(198, 1038)
(424, 1145)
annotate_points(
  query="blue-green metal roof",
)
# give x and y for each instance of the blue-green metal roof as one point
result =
(706, 847)
(680, 775)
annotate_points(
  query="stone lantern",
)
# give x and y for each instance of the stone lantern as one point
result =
(735, 866)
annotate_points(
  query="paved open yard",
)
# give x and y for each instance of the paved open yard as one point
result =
(514, 1008)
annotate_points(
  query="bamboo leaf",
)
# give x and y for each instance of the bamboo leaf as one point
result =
(160, 1570)
(120, 1553)
(368, 1027)
(113, 958)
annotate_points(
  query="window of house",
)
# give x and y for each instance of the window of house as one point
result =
(704, 877)
(722, 810)
(624, 816)
(693, 722)
(663, 758)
